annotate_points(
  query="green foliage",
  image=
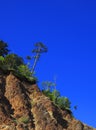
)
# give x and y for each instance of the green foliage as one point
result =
(24, 71)
(47, 85)
(24, 119)
(3, 48)
(63, 103)
(15, 64)
(49, 94)
(54, 95)
(1, 59)
(12, 61)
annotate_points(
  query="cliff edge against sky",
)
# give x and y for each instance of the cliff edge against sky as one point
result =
(24, 107)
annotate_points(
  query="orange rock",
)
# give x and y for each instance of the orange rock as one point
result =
(24, 107)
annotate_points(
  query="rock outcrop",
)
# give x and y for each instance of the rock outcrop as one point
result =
(24, 107)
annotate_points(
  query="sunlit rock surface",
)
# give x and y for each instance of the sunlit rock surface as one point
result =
(24, 107)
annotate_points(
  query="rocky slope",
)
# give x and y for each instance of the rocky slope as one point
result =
(24, 107)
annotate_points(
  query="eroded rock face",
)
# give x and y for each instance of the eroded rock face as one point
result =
(18, 97)
(24, 107)
(5, 106)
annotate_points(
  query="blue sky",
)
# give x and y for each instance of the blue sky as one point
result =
(68, 29)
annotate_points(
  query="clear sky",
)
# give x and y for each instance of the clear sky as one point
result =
(68, 29)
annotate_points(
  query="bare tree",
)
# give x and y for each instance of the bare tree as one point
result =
(48, 85)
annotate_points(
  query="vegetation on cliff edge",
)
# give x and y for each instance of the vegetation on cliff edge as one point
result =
(10, 62)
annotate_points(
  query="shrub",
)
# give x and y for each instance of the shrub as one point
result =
(24, 119)
(24, 71)
(54, 95)
(12, 61)
(48, 85)
(2, 64)
(63, 103)
(3, 48)
(15, 64)
(1, 59)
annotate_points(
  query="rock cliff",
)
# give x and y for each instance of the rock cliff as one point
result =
(24, 107)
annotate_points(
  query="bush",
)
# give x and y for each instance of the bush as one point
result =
(24, 71)
(2, 64)
(1, 59)
(63, 103)
(12, 61)
(15, 64)
(24, 119)
(54, 95)
(3, 48)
